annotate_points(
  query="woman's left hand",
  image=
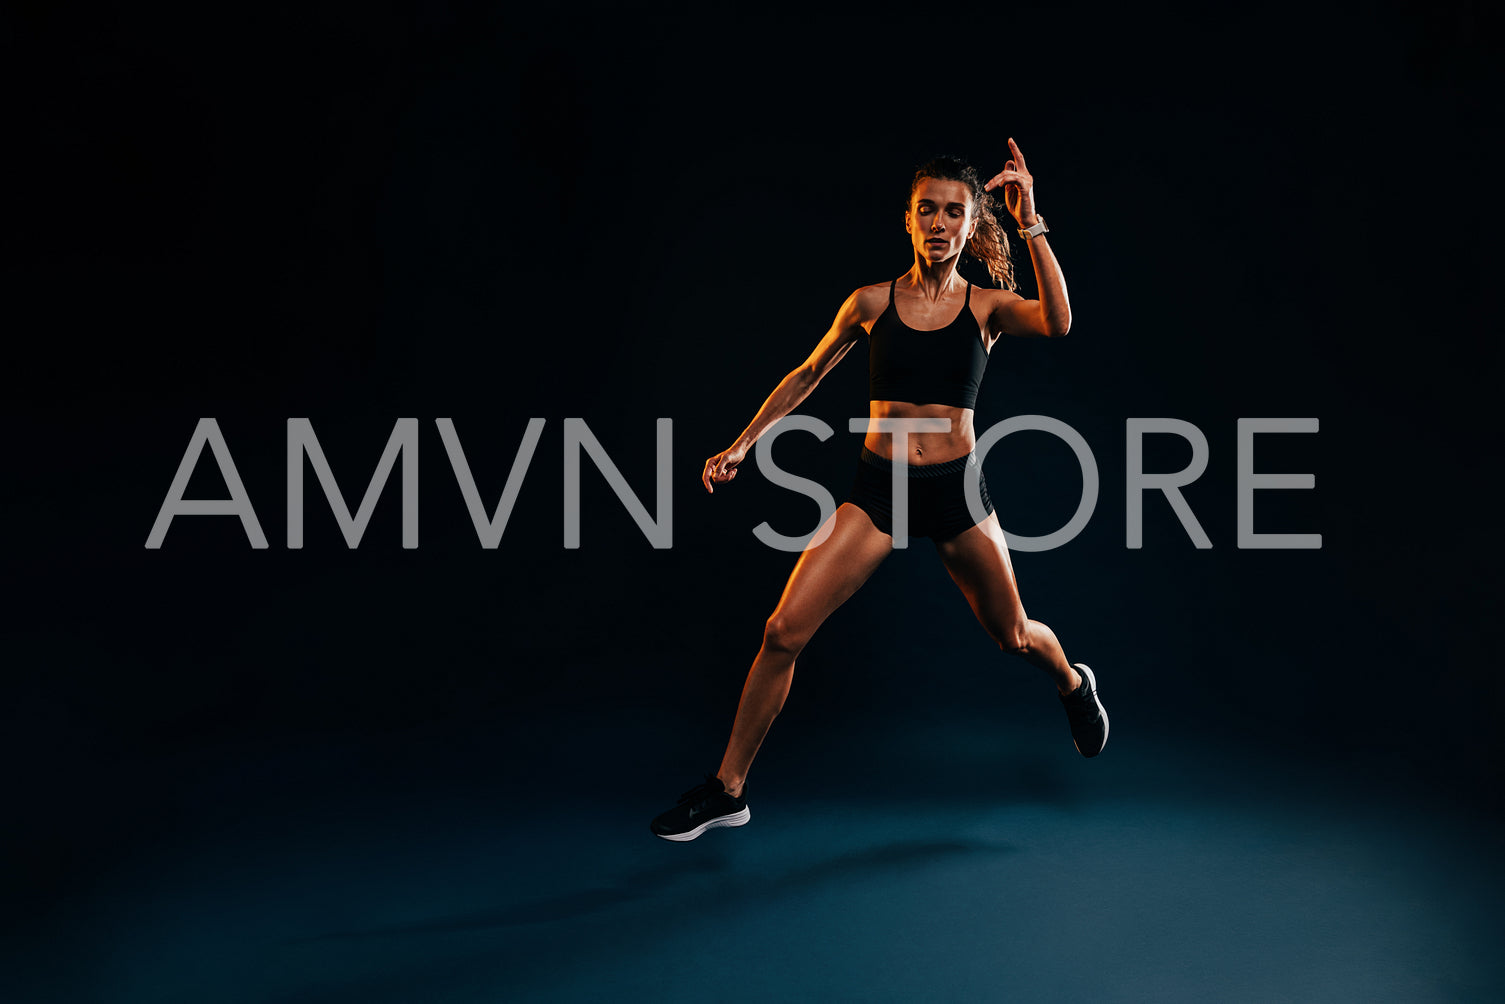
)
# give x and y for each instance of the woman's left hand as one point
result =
(1018, 187)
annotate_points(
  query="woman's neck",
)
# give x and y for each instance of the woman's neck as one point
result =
(933, 279)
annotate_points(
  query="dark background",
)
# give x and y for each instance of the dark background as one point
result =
(471, 212)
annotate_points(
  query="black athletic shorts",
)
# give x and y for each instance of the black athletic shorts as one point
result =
(937, 495)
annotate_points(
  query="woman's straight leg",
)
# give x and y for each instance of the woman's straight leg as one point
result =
(823, 579)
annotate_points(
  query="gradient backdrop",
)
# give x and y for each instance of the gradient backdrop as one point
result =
(382, 774)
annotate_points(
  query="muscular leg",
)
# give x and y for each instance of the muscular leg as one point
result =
(978, 560)
(823, 579)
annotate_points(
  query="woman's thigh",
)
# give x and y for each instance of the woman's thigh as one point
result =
(978, 561)
(826, 576)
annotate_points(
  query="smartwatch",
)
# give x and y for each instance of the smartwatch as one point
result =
(1029, 233)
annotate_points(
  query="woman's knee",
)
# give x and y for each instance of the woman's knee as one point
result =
(782, 634)
(1013, 636)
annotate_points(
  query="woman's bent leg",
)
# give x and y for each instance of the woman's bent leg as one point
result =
(822, 580)
(978, 561)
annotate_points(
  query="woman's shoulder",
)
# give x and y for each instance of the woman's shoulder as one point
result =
(986, 301)
(871, 301)
(861, 308)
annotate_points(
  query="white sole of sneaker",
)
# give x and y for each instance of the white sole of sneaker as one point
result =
(1092, 682)
(735, 819)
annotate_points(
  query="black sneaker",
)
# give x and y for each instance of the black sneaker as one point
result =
(703, 807)
(1089, 720)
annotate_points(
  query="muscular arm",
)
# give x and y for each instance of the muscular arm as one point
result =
(796, 386)
(1047, 317)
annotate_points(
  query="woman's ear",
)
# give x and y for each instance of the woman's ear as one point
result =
(906, 222)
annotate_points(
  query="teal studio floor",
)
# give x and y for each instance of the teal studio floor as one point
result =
(969, 860)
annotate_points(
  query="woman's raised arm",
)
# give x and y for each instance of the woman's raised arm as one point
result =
(1049, 316)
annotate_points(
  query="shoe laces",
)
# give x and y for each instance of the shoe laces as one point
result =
(701, 792)
(1080, 701)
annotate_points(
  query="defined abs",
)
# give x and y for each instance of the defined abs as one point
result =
(922, 447)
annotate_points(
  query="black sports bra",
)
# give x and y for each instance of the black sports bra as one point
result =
(943, 366)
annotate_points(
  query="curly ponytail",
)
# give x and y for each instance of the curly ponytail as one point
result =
(990, 243)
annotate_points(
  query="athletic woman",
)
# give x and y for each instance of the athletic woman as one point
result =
(929, 334)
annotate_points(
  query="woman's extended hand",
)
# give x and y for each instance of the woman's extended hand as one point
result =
(721, 467)
(1018, 187)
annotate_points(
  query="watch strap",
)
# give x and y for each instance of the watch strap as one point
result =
(1030, 233)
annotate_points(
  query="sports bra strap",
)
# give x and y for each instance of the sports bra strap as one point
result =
(968, 301)
(891, 291)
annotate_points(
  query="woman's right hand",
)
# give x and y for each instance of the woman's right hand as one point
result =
(721, 467)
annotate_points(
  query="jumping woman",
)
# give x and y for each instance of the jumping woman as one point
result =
(929, 334)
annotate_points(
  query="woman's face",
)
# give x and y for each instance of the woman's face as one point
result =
(940, 219)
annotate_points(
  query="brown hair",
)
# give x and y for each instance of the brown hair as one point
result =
(989, 244)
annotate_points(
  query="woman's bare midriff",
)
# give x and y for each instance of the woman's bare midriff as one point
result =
(923, 447)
